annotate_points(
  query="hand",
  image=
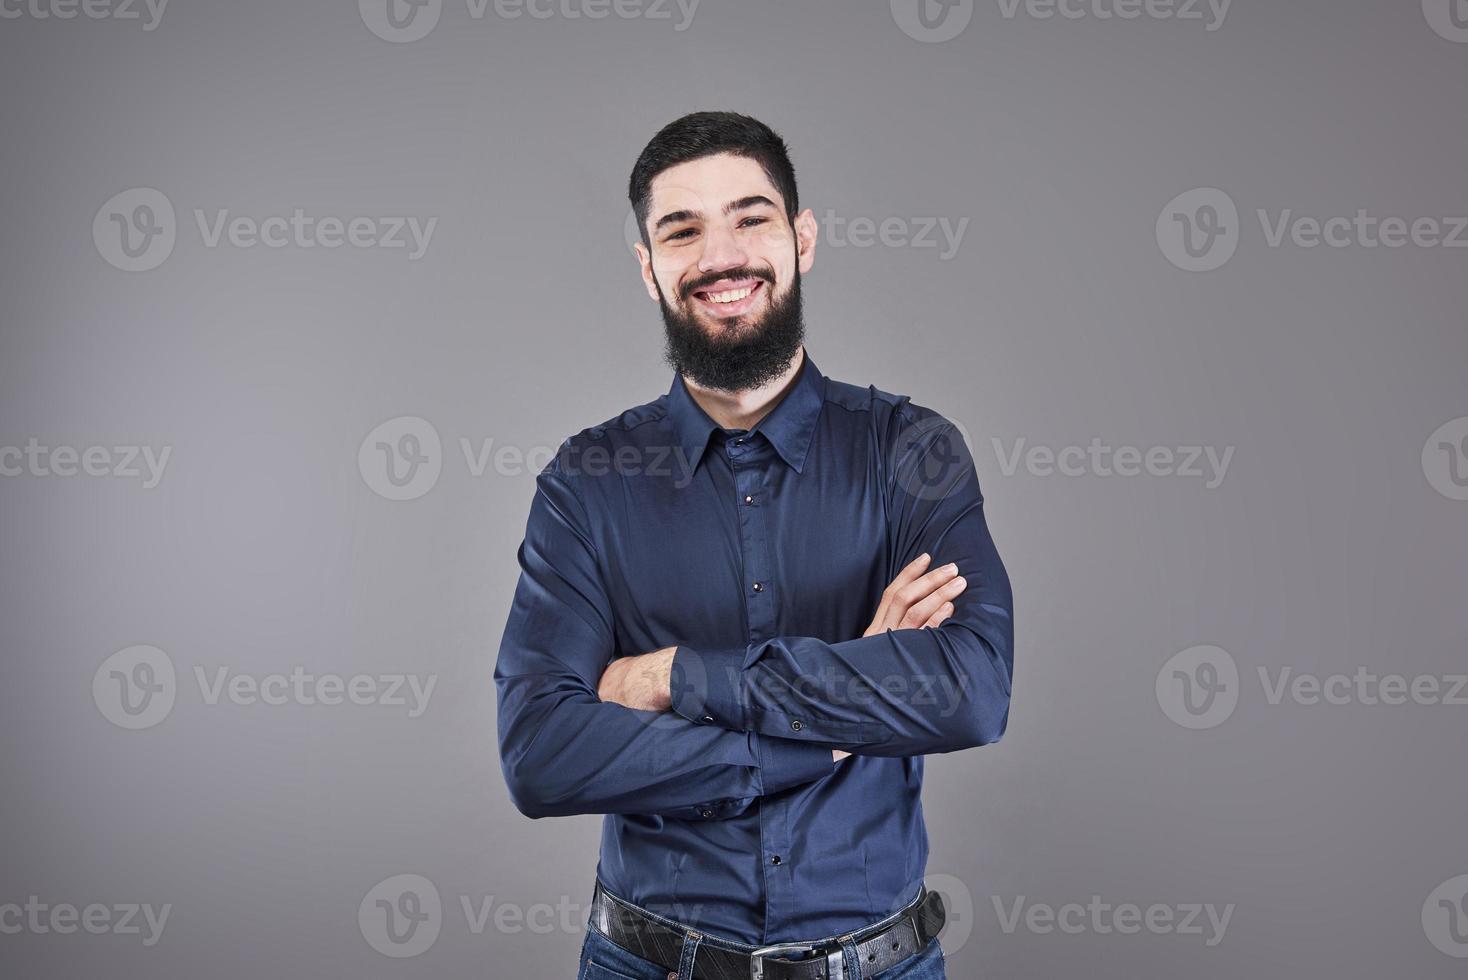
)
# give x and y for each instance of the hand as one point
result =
(643, 682)
(916, 599)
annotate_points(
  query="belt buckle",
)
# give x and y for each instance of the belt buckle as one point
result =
(835, 969)
(756, 970)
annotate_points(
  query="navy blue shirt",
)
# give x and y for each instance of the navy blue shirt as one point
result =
(762, 556)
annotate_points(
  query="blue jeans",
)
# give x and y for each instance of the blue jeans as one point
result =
(602, 959)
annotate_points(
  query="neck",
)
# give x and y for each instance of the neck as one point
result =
(744, 409)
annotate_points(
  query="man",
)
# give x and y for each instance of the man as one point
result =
(692, 649)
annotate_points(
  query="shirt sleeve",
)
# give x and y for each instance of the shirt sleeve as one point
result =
(902, 692)
(563, 750)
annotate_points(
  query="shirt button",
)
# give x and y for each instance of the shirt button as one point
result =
(748, 499)
(759, 586)
(775, 860)
(705, 812)
(796, 726)
(708, 719)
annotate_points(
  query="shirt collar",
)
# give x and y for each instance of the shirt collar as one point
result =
(789, 426)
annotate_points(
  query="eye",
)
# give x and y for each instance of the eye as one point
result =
(753, 220)
(681, 235)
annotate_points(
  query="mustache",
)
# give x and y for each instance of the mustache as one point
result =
(704, 282)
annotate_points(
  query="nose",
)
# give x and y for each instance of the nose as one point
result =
(721, 250)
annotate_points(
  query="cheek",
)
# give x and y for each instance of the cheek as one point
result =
(784, 268)
(780, 258)
(669, 273)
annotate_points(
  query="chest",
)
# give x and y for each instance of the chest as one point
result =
(742, 551)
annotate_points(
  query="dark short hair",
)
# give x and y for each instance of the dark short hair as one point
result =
(701, 134)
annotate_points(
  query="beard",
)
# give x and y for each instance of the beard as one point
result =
(739, 355)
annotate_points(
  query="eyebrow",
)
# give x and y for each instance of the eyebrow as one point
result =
(753, 200)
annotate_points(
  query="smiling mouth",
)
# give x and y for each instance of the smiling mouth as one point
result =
(730, 297)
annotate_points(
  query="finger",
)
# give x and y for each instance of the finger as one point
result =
(920, 611)
(929, 583)
(918, 591)
(944, 611)
(909, 574)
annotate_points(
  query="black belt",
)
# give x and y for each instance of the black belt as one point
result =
(879, 947)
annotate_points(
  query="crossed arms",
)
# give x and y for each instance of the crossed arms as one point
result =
(579, 735)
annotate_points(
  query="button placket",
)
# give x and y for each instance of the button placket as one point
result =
(751, 465)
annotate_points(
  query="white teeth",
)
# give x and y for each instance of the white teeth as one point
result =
(731, 295)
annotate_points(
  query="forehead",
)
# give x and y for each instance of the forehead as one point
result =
(707, 184)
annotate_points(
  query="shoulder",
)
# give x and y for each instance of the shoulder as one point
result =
(639, 426)
(893, 416)
(921, 452)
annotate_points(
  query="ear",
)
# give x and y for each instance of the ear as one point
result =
(644, 259)
(806, 233)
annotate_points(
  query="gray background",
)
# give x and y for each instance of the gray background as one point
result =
(265, 546)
